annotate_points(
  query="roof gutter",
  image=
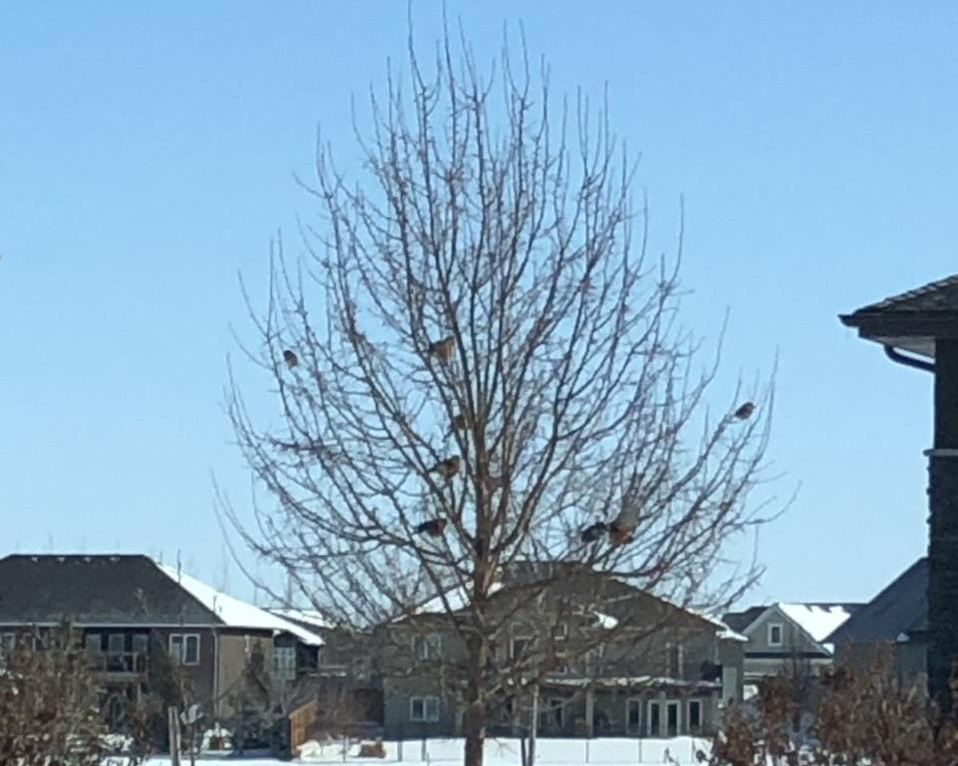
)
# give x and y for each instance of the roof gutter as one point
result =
(909, 361)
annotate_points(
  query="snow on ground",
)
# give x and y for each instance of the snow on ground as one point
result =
(499, 752)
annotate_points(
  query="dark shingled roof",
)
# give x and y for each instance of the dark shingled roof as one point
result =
(739, 621)
(941, 295)
(899, 608)
(103, 589)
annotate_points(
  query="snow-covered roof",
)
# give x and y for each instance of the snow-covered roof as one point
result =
(627, 681)
(235, 613)
(307, 616)
(818, 620)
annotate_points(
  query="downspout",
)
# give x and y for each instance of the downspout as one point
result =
(909, 361)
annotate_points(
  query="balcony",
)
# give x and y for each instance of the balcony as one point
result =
(119, 665)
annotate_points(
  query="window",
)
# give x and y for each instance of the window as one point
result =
(519, 647)
(427, 647)
(116, 643)
(550, 714)
(424, 709)
(674, 660)
(775, 634)
(185, 648)
(671, 719)
(92, 642)
(284, 662)
(8, 642)
(141, 643)
(655, 719)
(633, 716)
(695, 716)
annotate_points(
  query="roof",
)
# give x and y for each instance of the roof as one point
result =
(900, 608)
(940, 295)
(458, 599)
(911, 320)
(129, 590)
(308, 618)
(818, 620)
(235, 613)
(740, 621)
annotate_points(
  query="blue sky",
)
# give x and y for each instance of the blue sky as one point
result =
(147, 153)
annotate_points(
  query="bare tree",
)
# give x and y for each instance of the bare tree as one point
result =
(477, 362)
(865, 715)
(49, 704)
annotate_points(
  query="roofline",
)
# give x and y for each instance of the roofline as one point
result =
(830, 638)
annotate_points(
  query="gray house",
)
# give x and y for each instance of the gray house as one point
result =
(598, 655)
(788, 638)
(896, 621)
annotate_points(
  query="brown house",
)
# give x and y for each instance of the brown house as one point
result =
(133, 614)
(608, 659)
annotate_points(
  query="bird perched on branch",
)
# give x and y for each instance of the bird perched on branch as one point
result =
(433, 527)
(594, 531)
(623, 525)
(447, 468)
(443, 348)
(290, 358)
(745, 411)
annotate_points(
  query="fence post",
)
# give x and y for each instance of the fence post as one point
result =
(639, 743)
(587, 751)
(424, 753)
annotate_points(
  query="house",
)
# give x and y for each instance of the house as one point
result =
(608, 658)
(895, 620)
(135, 616)
(788, 638)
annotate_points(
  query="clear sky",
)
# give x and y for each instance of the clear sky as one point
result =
(147, 152)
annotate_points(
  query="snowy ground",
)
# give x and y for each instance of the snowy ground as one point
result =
(499, 752)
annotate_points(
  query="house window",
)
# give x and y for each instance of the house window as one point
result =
(550, 715)
(424, 709)
(674, 660)
(141, 643)
(185, 648)
(519, 646)
(672, 717)
(427, 647)
(775, 634)
(633, 716)
(695, 716)
(92, 642)
(284, 662)
(655, 718)
(8, 642)
(116, 643)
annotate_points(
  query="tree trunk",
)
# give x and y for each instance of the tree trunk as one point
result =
(475, 723)
(174, 724)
